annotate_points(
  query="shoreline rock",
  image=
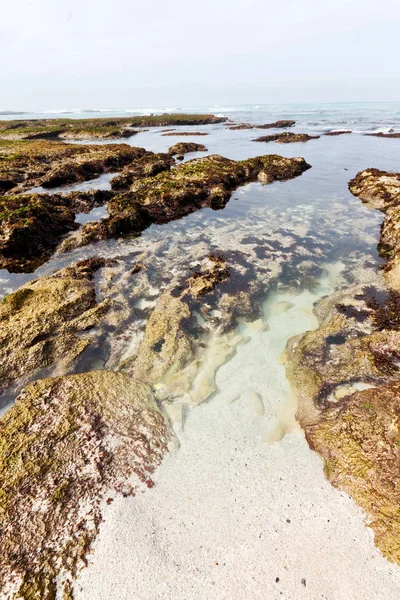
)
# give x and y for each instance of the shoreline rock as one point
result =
(346, 376)
(286, 137)
(46, 319)
(68, 444)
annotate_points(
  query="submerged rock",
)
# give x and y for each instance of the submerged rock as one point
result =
(45, 321)
(67, 444)
(207, 181)
(184, 147)
(286, 137)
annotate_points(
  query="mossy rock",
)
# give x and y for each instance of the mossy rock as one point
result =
(67, 444)
(43, 321)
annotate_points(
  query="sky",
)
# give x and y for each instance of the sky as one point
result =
(66, 54)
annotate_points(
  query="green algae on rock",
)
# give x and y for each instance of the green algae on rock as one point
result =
(381, 190)
(287, 137)
(100, 128)
(25, 164)
(147, 166)
(204, 182)
(68, 444)
(347, 379)
(182, 148)
(45, 321)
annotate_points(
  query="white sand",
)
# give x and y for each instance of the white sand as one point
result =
(230, 512)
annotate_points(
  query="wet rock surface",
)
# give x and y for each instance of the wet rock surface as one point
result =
(384, 135)
(27, 164)
(146, 166)
(184, 133)
(346, 374)
(338, 132)
(198, 183)
(68, 444)
(287, 137)
(276, 125)
(381, 190)
(184, 147)
(46, 320)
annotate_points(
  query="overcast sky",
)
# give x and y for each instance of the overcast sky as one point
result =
(161, 53)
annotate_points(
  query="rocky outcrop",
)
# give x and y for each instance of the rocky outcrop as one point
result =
(182, 148)
(278, 124)
(338, 132)
(381, 190)
(68, 444)
(286, 137)
(207, 181)
(384, 135)
(31, 225)
(25, 164)
(46, 320)
(346, 375)
(347, 380)
(30, 228)
(147, 166)
(181, 133)
(87, 129)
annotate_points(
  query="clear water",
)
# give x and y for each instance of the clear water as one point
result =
(273, 230)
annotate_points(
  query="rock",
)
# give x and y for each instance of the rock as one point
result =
(45, 320)
(381, 189)
(82, 129)
(286, 137)
(30, 228)
(338, 132)
(207, 181)
(146, 166)
(25, 164)
(347, 379)
(278, 124)
(182, 148)
(31, 225)
(167, 347)
(67, 444)
(180, 133)
(384, 135)
(359, 440)
(203, 282)
(241, 126)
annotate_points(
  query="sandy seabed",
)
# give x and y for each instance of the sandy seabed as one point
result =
(241, 509)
